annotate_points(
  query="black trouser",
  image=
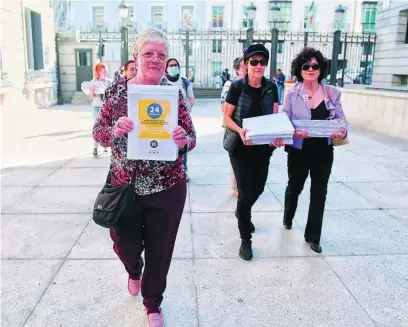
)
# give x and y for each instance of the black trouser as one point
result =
(250, 165)
(317, 161)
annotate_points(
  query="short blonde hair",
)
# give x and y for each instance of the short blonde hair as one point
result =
(150, 35)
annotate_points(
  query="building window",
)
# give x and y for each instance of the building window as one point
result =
(34, 40)
(187, 15)
(343, 24)
(285, 14)
(218, 16)
(99, 17)
(368, 48)
(131, 15)
(216, 46)
(244, 16)
(157, 17)
(369, 15)
(400, 80)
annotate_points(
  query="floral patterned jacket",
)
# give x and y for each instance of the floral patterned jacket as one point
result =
(151, 176)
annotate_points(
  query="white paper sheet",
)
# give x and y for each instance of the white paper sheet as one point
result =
(154, 111)
(320, 128)
(276, 125)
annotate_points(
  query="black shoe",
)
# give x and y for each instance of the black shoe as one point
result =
(95, 152)
(245, 251)
(314, 246)
(287, 225)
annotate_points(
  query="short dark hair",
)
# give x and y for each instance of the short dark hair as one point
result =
(126, 65)
(305, 56)
(171, 59)
(237, 63)
(279, 70)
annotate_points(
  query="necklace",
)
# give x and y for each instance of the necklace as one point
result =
(311, 96)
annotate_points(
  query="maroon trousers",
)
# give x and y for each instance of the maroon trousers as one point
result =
(155, 234)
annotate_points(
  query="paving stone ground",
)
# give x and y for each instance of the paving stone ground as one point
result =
(58, 268)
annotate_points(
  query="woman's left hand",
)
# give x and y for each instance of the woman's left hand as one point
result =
(277, 143)
(339, 135)
(180, 137)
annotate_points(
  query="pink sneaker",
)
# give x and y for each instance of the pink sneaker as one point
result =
(155, 320)
(134, 287)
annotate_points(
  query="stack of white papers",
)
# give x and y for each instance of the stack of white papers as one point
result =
(266, 129)
(320, 128)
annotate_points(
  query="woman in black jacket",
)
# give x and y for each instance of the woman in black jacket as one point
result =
(252, 96)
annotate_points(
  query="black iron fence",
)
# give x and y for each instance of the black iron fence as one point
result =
(204, 54)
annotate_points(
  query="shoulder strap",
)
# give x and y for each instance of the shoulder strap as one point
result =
(185, 83)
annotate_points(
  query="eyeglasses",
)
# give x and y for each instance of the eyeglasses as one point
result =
(255, 63)
(149, 56)
(307, 66)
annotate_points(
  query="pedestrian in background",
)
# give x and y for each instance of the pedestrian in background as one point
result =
(174, 78)
(129, 69)
(252, 96)
(310, 99)
(225, 76)
(240, 71)
(160, 186)
(97, 89)
(279, 78)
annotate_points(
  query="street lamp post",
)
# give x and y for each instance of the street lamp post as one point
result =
(250, 31)
(274, 41)
(123, 12)
(339, 13)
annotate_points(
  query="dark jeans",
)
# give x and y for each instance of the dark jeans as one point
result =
(250, 165)
(156, 235)
(319, 163)
(281, 91)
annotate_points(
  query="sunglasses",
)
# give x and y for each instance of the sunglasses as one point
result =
(255, 63)
(314, 66)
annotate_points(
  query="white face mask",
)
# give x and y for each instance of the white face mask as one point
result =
(173, 71)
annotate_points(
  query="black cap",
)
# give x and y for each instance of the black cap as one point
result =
(256, 49)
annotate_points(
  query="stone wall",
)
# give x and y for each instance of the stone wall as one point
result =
(391, 52)
(379, 111)
(21, 84)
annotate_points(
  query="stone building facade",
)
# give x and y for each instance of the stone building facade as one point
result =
(27, 54)
(391, 53)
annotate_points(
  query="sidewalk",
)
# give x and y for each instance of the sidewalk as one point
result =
(58, 267)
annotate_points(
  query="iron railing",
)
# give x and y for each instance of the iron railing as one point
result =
(207, 53)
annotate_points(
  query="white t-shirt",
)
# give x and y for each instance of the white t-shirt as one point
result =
(187, 93)
(99, 89)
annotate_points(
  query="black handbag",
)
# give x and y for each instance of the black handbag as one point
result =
(115, 207)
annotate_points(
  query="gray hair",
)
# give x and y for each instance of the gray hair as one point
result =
(150, 35)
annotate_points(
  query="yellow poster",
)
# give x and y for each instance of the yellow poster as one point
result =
(152, 117)
(154, 111)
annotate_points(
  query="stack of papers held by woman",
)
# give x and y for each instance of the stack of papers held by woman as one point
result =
(320, 128)
(266, 129)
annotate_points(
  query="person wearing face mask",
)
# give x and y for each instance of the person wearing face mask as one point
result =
(252, 96)
(174, 78)
(241, 71)
(97, 90)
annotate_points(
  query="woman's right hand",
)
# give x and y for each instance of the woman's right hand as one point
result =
(242, 133)
(122, 126)
(91, 91)
(301, 133)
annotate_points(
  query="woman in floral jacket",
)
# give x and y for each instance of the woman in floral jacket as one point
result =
(160, 186)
